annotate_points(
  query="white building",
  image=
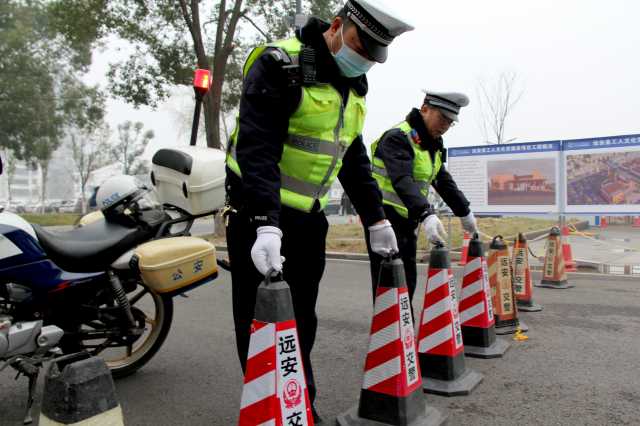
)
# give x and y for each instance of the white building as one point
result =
(26, 180)
(25, 183)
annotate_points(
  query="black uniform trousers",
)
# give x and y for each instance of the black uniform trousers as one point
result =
(405, 230)
(303, 246)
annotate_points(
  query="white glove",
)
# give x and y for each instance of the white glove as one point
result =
(265, 252)
(469, 223)
(383, 239)
(434, 229)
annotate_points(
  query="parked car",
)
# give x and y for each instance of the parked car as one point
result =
(71, 206)
(14, 206)
(33, 207)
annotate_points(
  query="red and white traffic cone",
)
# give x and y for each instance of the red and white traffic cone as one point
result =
(569, 263)
(522, 285)
(554, 274)
(505, 309)
(392, 386)
(636, 222)
(440, 347)
(476, 308)
(465, 249)
(275, 389)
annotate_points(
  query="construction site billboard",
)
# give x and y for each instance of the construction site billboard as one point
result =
(603, 175)
(509, 178)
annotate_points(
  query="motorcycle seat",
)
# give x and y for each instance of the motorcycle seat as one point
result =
(91, 248)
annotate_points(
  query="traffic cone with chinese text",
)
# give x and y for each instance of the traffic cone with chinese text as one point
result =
(275, 389)
(79, 390)
(505, 309)
(476, 308)
(392, 387)
(522, 285)
(553, 273)
(569, 263)
(440, 346)
(465, 249)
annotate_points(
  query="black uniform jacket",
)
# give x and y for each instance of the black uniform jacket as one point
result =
(395, 150)
(266, 104)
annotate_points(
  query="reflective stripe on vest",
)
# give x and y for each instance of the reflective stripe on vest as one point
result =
(424, 172)
(294, 185)
(320, 132)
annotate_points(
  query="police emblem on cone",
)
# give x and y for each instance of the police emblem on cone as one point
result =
(440, 346)
(79, 391)
(275, 390)
(554, 274)
(505, 309)
(392, 387)
(522, 286)
(476, 308)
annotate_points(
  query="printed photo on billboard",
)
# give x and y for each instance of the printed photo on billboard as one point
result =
(530, 182)
(603, 178)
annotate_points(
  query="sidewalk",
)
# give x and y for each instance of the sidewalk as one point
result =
(608, 250)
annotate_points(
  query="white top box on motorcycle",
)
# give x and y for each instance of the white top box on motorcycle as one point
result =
(190, 177)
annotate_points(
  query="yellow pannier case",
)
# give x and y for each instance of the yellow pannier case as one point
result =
(175, 265)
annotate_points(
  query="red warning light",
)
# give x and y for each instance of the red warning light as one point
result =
(202, 81)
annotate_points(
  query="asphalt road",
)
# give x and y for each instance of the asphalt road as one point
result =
(579, 367)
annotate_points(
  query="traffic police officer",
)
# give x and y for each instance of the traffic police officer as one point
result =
(407, 160)
(301, 116)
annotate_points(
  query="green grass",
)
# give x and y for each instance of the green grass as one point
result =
(51, 219)
(350, 238)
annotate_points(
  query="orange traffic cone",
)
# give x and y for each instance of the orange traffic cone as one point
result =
(522, 285)
(569, 263)
(391, 390)
(554, 274)
(275, 389)
(465, 249)
(603, 222)
(476, 308)
(440, 347)
(504, 300)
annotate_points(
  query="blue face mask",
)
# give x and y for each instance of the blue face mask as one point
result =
(350, 62)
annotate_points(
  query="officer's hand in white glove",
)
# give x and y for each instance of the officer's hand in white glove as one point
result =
(433, 229)
(383, 239)
(265, 252)
(469, 223)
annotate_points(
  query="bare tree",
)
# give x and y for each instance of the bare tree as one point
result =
(89, 152)
(9, 169)
(497, 101)
(130, 147)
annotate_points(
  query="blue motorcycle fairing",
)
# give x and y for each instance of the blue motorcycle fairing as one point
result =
(31, 250)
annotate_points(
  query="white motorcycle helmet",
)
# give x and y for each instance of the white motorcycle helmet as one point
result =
(121, 196)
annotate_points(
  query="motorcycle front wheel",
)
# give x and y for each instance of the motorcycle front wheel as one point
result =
(127, 353)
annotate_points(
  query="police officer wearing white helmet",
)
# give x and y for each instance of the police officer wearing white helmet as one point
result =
(301, 116)
(407, 160)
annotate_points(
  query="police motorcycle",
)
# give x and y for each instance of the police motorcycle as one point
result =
(106, 287)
